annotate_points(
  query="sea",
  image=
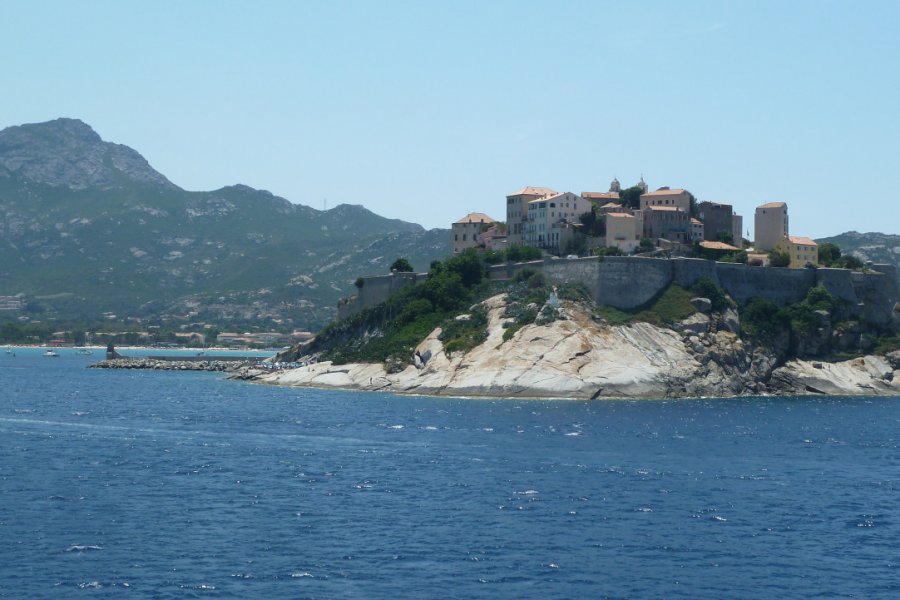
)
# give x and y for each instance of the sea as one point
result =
(156, 484)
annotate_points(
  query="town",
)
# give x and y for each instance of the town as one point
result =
(635, 220)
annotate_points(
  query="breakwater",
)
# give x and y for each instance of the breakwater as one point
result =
(184, 363)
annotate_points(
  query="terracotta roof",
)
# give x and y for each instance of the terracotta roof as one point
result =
(546, 198)
(665, 208)
(533, 191)
(600, 195)
(803, 241)
(665, 192)
(620, 215)
(718, 246)
(476, 218)
(696, 221)
(772, 205)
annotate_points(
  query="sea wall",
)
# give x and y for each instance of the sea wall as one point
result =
(627, 282)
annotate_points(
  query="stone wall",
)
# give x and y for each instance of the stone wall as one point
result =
(627, 282)
(376, 290)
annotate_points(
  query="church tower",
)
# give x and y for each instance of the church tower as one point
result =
(614, 186)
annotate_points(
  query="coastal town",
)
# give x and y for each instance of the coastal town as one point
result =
(635, 220)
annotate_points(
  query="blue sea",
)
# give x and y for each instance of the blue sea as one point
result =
(187, 485)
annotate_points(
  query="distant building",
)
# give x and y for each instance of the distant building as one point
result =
(737, 229)
(551, 219)
(697, 230)
(718, 220)
(667, 222)
(802, 250)
(678, 198)
(599, 198)
(494, 238)
(623, 231)
(770, 225)
(612, 207)
(466, 231)
(517, 211)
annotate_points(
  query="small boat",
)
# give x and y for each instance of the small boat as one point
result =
(51, 353)
(9, 350)
(84, 351)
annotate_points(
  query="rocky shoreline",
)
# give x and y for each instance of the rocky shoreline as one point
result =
(576, 357)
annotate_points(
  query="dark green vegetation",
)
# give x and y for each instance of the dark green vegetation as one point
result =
(390, 331)
(670, 306)
(830, 255)
(88, 228)
(877, 247)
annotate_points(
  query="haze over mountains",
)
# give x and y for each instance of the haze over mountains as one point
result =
(89, 227)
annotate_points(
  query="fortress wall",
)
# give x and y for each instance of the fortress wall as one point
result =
(510, 270)
(627, 282)
(780, 285)
(838, 282)
(376, 290)
(630, 281)
(686, 271)
(879, 294)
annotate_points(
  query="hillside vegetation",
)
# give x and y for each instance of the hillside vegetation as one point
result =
(88, 228)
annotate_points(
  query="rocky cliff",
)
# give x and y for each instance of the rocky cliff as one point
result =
(574, 356)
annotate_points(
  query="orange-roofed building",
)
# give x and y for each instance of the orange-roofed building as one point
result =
(802, 250)
(517, 211)
(467, 230)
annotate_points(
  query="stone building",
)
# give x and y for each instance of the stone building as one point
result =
(517, 211)
(466, 232)
(770, 225)
(550, 220)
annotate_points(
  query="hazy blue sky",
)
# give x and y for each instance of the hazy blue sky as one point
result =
(428, 110)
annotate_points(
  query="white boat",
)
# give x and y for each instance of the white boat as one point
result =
(9, 350)
(51, 353)
(84, 351)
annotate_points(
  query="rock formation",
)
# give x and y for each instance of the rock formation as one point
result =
(576, 357)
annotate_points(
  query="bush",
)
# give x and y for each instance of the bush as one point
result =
(779, 259)
(705, 288)
(401, 265)
(762, 318)
(359, 282)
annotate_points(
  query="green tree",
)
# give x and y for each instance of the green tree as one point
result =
(631, 198)
(402, 265)
(779, 259)
(829, 254)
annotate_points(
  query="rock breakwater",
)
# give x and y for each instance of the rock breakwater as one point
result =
(171, 365)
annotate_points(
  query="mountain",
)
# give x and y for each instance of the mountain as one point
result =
(89, 230)
(877, 247)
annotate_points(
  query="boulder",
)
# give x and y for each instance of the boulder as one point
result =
(703, 305)
(697, 323)
(730, 321)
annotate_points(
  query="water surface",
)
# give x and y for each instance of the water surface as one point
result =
(180, 485)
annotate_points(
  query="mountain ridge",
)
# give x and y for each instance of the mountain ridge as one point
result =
(90, 229)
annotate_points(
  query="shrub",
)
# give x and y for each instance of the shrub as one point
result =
(401, 265)
(779, 259)
(705, 288)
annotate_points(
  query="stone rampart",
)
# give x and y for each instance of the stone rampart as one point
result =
(627, 282)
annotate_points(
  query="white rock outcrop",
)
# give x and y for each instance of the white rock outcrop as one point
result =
(575, 357)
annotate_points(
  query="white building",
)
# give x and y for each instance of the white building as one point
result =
(550, 220)
(517, 211)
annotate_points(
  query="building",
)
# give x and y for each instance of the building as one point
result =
(517, 211)
(599, 198)
(467, 230)
(770, 225)
(802, 250)
(667, 222)
(494, 238)
(678, 198)
(624, 230)
(697, 230)
(737, 229)
(718, 222)
(612, 207)
(550, 220)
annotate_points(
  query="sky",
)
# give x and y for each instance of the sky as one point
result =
(426, 111)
